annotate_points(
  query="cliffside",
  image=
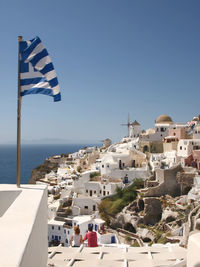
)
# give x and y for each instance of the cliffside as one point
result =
(40, 171)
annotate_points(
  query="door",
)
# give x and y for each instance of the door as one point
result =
(113, 239)
(120, 164)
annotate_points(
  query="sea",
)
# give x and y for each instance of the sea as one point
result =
(31, 156)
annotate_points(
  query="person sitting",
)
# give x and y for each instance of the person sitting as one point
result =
(91, 237)
(102, 230)
(76, 238)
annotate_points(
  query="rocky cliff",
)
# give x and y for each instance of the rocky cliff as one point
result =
(46, 167)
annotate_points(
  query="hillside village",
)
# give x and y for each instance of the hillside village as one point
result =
(144, 189)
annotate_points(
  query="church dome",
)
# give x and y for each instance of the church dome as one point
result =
(164, 119)
(195, 119)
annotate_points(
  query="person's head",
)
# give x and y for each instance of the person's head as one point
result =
(102, 227)
(90, 228)
(76, 230)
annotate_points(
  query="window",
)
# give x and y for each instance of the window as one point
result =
(64, 231)
(102, 166)
(66, 241)
(52, 236)
(68, 232)
(100, 191)
(59, 237)
(86, 207)
(180, 147)
(107, 192)
(86, 191)
(94, 191)
(59, 228)
(104, 187)
(107, 166)
(94, 207)
(74, 224)
(52, 227)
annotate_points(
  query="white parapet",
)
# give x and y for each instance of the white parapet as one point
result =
(23, 226)
(193, 255)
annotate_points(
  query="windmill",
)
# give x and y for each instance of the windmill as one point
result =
(127, 124)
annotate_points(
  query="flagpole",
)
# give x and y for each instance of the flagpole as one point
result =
(19, 101)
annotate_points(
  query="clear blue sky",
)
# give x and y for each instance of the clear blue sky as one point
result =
(111, 57)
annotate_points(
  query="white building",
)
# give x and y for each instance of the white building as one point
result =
(52, 209)
(194, 193)
(164, 160)
(50, 176)
(186, 146)
(83, 205)
(85, 221)
(104, 187)
(117, 163)
(84, 178)
(162, 125)
(61, 232)
(65, 171)
(196, 132)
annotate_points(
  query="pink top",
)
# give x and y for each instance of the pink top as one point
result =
(92, 239)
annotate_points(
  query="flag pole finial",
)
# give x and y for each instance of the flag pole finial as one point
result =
(20, 38)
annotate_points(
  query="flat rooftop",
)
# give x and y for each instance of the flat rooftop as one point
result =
(154, 256)
(54, 222)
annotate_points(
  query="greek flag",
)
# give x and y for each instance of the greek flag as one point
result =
(37, 74)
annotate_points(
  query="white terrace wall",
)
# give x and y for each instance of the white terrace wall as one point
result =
(23, 226)
(193, 255)
(131, 173)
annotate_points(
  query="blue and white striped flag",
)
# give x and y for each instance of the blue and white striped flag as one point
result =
(37, 74)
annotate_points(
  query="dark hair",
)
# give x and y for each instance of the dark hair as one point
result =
(76, 230)
(90, 228)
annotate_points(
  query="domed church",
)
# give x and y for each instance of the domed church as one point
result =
(162, 125)
(153, 142)
(164, 119)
